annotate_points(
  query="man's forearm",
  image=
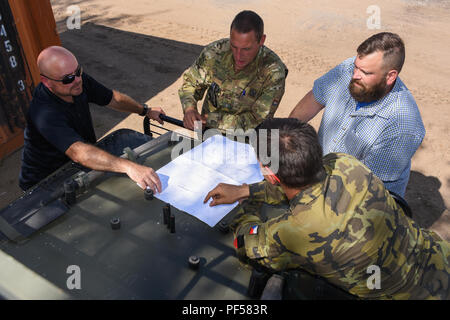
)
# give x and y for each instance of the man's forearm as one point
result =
(307, 108)
(193, 87)
(95, 158)
(189, 108)
(265, 192)
(187, 99)
(124, 103)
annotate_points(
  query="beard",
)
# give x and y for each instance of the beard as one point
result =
(363, 93)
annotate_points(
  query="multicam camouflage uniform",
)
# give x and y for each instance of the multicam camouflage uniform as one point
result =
(234, 100)
(338, 228)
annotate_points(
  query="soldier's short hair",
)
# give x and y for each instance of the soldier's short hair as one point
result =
(390, 44)
(300, 153)
(246, 21)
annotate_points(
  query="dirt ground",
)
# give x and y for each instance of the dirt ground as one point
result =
(142, 48)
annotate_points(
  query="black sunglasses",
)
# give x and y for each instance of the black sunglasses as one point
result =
(70, 77)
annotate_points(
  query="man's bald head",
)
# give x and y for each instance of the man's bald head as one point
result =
(56, 62)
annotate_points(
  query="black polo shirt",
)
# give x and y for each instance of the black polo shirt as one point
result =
(53, 125)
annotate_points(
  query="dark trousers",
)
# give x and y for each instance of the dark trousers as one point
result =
(115, 142)
(301, 285)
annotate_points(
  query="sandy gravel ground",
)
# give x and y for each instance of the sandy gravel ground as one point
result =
(142, 48)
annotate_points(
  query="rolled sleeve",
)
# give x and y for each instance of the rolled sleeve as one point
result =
(327, 85)
(194, 83)
(266, 243)
(265, 192)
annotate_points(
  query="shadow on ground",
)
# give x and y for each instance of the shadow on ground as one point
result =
(424, 198)
(138, 65)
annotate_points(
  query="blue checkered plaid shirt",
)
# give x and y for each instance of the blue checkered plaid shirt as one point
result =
(383, 135)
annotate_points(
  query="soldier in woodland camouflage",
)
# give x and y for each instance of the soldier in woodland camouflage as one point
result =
(341, 220)
(244, 79)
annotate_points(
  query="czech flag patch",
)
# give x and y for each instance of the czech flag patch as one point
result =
(254, 230)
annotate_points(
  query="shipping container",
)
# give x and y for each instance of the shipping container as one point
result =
(26, 28)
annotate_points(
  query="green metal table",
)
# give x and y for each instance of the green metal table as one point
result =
(141, 260)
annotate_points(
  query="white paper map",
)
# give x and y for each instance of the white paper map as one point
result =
(187, 180)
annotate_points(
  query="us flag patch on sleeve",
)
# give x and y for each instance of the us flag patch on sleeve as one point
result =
(254, 230)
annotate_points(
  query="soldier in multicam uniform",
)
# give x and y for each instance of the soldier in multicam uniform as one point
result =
(340, 223)
(245, 80)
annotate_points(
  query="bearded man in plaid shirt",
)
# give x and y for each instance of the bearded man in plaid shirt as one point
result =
(368, 111)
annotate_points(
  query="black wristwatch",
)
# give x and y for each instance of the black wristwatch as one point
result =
(144, 112)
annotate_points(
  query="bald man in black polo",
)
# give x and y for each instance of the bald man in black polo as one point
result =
(59, 124)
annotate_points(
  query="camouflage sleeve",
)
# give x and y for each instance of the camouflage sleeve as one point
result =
(263, 243)
(266, 192)
(194, 82)
(265, 106)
